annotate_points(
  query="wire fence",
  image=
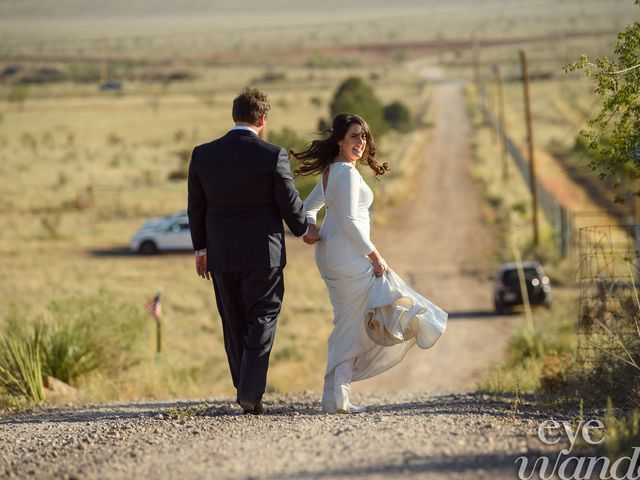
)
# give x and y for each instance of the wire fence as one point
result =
(558, 216)
(609, 304)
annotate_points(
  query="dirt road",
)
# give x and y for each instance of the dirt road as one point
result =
(442, 246)
(413, 428)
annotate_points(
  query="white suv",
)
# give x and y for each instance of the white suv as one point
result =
(165, 233)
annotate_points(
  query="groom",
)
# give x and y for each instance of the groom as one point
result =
(240, 190)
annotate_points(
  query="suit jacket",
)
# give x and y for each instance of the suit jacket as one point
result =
(240, 190)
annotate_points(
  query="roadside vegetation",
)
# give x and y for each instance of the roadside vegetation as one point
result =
(587, 350)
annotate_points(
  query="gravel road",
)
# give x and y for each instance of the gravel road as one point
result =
(456, 436)
(424, 421)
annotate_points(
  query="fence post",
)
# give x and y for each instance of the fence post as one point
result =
(503, 125)
(636, 231)
(532, 164)
(565, 232)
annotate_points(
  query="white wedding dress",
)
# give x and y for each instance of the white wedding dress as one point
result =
(376, 320)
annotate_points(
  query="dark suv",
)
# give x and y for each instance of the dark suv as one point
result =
(507, 292)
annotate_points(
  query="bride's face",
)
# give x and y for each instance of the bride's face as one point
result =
(354, 143)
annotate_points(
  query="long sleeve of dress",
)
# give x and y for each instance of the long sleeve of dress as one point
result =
(313, 203)
(347, 195)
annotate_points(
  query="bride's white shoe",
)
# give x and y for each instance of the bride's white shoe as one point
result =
(343, 405)
(341, 387)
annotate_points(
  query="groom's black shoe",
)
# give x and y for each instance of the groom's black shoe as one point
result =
(254, 408)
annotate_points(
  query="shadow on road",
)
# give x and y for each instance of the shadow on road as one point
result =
(130, 411)
(478, 314)
(125, 252)
(411, 464)
(497, 406)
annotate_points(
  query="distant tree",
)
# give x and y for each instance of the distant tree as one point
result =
(397, 115)
(613, 136)
(354, 95)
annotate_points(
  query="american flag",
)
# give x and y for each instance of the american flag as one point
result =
(154, 306)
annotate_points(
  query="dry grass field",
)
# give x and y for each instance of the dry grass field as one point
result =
(56, 243)
(67, 136)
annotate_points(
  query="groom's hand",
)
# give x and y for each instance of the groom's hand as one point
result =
(312, 235)
(201, 266)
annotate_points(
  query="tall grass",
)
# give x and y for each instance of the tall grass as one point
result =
(20, 361)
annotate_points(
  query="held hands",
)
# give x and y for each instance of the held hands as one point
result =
(201, 267)
(312, 235)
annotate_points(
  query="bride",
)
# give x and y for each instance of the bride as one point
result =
(377, 317)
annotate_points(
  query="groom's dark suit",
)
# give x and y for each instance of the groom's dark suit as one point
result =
(240, 190)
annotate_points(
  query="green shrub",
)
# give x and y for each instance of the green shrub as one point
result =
(354, 95)
(82, 334)
(526, 343)
(398, 116)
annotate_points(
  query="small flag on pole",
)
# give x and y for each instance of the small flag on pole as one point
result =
(154, 306)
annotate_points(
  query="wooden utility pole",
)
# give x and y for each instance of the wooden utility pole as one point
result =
(503, 124)
(104, 69)
(491, 107)
(476, 64)
(532, 163)
(636, 231)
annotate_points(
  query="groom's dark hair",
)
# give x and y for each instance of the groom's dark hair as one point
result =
(250, 105)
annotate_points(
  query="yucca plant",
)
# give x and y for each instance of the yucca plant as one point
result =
(20, 364)
(68, 350)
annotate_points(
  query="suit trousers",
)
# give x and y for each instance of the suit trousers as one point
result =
(249, 304)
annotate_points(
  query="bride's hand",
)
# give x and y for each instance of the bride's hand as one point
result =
(380, 266)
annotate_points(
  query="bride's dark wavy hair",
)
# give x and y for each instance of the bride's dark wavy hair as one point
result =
(317, 157)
